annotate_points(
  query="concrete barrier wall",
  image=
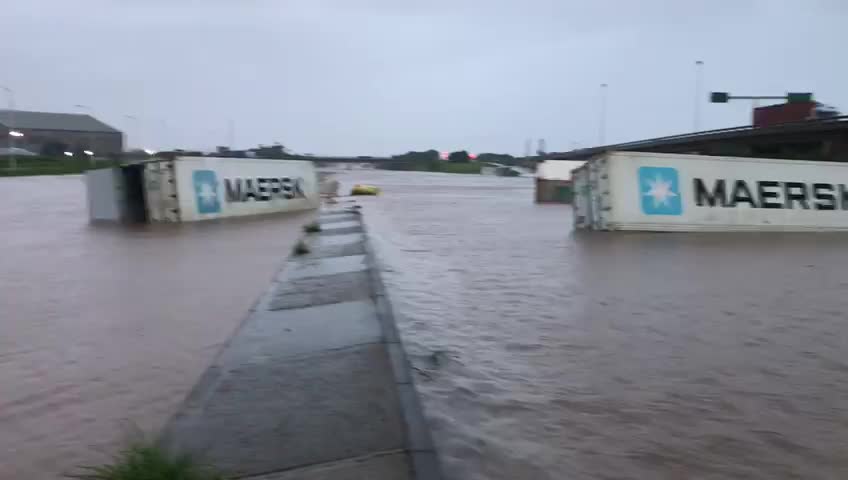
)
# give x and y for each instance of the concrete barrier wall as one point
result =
(315, 384)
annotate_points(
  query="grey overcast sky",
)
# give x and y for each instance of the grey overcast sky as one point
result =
(386, 76)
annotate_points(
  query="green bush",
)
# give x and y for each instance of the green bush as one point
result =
(145, 461)
(451, 167)
(42, 165)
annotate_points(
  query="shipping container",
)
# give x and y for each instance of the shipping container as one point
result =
(674, 192)
(188, 189)
(784, 113)
(792, 112)
(553, 181)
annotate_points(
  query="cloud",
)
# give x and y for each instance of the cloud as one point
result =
(381, 76)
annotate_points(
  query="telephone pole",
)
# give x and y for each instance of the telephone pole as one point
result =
(602, 127)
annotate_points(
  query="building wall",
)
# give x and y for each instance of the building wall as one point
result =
(101, 143)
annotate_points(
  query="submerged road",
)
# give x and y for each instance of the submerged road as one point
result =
(547, 354)
(540, 353)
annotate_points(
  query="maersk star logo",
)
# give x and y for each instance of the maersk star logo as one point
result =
(660, 191)
(206, 191)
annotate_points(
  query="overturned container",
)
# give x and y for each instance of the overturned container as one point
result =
(676, 192)
(187, 189)
(554, 182)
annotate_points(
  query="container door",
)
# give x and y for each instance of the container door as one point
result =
(105, 194)
(133, 176)
(594, 197)
(161, 192)
(580, 199)
(602, 191)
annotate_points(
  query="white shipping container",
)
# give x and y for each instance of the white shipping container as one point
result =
(212, 187)
(105, 190)
(675, 192)
(190, 189)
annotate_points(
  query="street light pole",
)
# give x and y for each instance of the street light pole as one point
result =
(13, 162)
(699, 86)
(602, 127)
(90, 135)
(135, 122)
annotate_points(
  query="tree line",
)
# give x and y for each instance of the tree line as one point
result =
(430, 160)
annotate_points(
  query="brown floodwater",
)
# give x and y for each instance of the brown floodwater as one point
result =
(549, 354)
(104, 329)
(542, 353)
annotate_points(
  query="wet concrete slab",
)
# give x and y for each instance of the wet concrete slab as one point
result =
(336, 250)
(275, 412)
(307, 292)
(329, 230)
(339, 225)
(324, 246)
(338, 211)
(320, 241)
(330, 219)
(371, 467)
(337, 217)
(306, 267)
(339, 222)
(303, 331)
(315, 384)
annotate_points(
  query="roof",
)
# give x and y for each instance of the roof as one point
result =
(839, 123)
(75, 122)
(20, 152)
(557, 169)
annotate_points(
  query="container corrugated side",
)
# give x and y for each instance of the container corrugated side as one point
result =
(215, 187)
(580, 184)
(671, 192)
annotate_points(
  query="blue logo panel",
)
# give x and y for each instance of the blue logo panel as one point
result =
(659, 189)
(206, 191)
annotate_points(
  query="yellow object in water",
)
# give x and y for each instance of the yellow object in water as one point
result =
(364, 190)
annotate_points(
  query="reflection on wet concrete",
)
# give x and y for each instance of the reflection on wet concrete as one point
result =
(546, 353)
(102, 326)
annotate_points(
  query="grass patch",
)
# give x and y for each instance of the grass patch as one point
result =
(313, 227)
(456, 167)
(301, 248)
(50, 166)
(145, 461)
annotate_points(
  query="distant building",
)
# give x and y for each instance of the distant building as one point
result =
(53, 133)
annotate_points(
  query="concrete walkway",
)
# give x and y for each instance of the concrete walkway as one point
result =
(315, 385)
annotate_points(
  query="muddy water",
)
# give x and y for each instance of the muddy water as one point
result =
(541, 353)
(547, 354)
(102, 327)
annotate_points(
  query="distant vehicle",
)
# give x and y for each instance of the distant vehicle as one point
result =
(792, 112)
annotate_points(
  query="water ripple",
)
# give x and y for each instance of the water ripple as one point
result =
(612, 356)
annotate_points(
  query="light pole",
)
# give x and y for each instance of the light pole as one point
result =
(603, 120)
(699, 86)
(165, 130)
(12, 134)
(90, 135)
(135, 122)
